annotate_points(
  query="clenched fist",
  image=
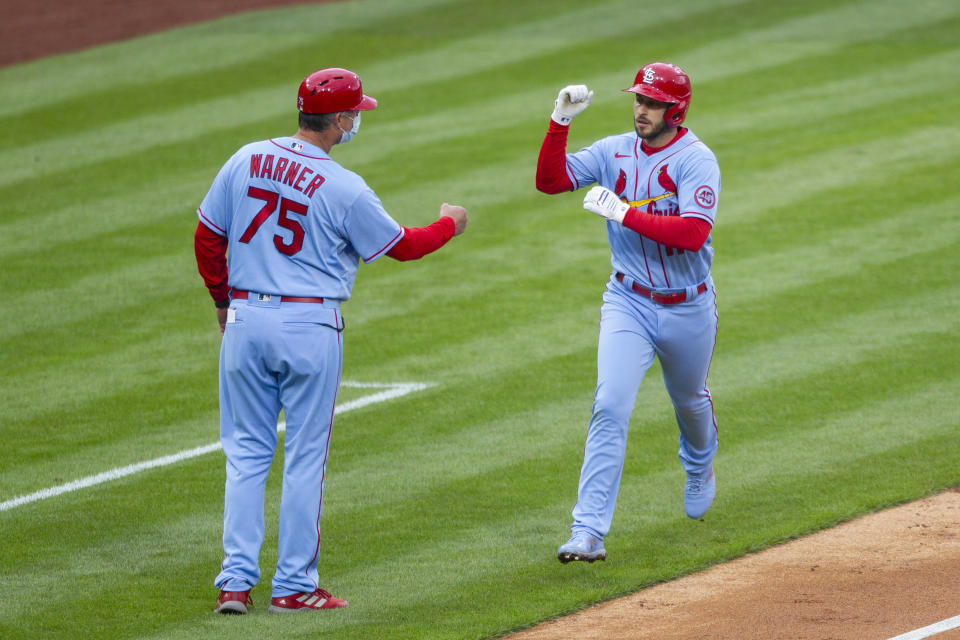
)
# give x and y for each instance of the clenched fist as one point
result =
(570, 102)
(459, 215)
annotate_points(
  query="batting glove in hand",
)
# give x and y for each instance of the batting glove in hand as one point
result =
(570, 102)
(604, 202)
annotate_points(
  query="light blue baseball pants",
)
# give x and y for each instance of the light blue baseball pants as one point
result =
(276, 355)
(634, 330)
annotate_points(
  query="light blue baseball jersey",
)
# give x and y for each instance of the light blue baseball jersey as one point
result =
(685, 173)
(297, 222)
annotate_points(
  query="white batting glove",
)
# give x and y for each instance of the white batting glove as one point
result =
(571, 100)
(605, 203)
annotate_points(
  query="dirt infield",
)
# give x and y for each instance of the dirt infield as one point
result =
(876, 577)
(873, 578)
(32, 30)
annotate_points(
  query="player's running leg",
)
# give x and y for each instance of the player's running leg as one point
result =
(624, 354)
(685, 348)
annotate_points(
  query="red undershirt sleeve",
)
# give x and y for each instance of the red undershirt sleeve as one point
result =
(419, 241)
(687, 233)
(211, 251)
(552, 163)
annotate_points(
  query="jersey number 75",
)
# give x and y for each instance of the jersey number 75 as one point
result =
(271, 200)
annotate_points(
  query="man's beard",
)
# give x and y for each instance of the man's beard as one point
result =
(656, 131)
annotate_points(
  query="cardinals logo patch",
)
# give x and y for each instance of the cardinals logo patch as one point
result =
(664, 179)
(621, 183)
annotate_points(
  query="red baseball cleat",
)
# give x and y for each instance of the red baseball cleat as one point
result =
(233, 602)
(319, 599)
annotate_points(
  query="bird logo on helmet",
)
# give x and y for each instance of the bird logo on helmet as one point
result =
(332, 90)
(667, 83)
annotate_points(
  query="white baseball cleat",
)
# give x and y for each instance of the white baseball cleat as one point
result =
(582, 546)
(699, 492)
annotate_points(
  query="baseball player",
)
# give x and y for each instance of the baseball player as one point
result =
(280, 236)
(657, 189)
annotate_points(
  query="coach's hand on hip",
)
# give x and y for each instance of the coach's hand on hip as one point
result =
(459, 215)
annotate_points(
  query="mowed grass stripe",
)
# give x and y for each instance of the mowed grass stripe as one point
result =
(55, 225)
(765, 375)
(816, 173)
(841, 271)
(784, 184)
(221, 112)
(813, 34)
(937, 389)
(59, 225)
(732, 58)
(86, 146)
(872, 83)
(816, 412)
(853, 248)
(889, 413)
(246, 102)
(351, 484)
(426, 447)
(153, 124)
(198, 51)
(748, 375)
(893, 229)
(121, 375)
(99, 413)
(532, 538)
(27, 232)
(832, 338)
(387, 392)
(806, 401)
(532, 545)
(145, 547)
(103, 289)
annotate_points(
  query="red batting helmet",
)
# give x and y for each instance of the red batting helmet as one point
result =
(667, 83)
(332, 90)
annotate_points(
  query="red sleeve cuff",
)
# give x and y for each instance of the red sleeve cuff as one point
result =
(419, 241)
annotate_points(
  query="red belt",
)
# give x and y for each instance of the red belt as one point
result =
(662, 298)
(240, 294)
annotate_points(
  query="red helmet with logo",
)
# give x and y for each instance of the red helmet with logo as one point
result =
(332, 90)
(667, 83)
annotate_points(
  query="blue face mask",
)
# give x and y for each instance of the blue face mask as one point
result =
(348, 135)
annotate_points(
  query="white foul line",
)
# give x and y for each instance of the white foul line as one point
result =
(390, 391)
(933, 629)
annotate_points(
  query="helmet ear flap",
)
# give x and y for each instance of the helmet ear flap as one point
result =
(676, 114)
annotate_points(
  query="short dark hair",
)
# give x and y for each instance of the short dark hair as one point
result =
(316, 121)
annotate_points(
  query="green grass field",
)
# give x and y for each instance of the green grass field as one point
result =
(836, 376)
